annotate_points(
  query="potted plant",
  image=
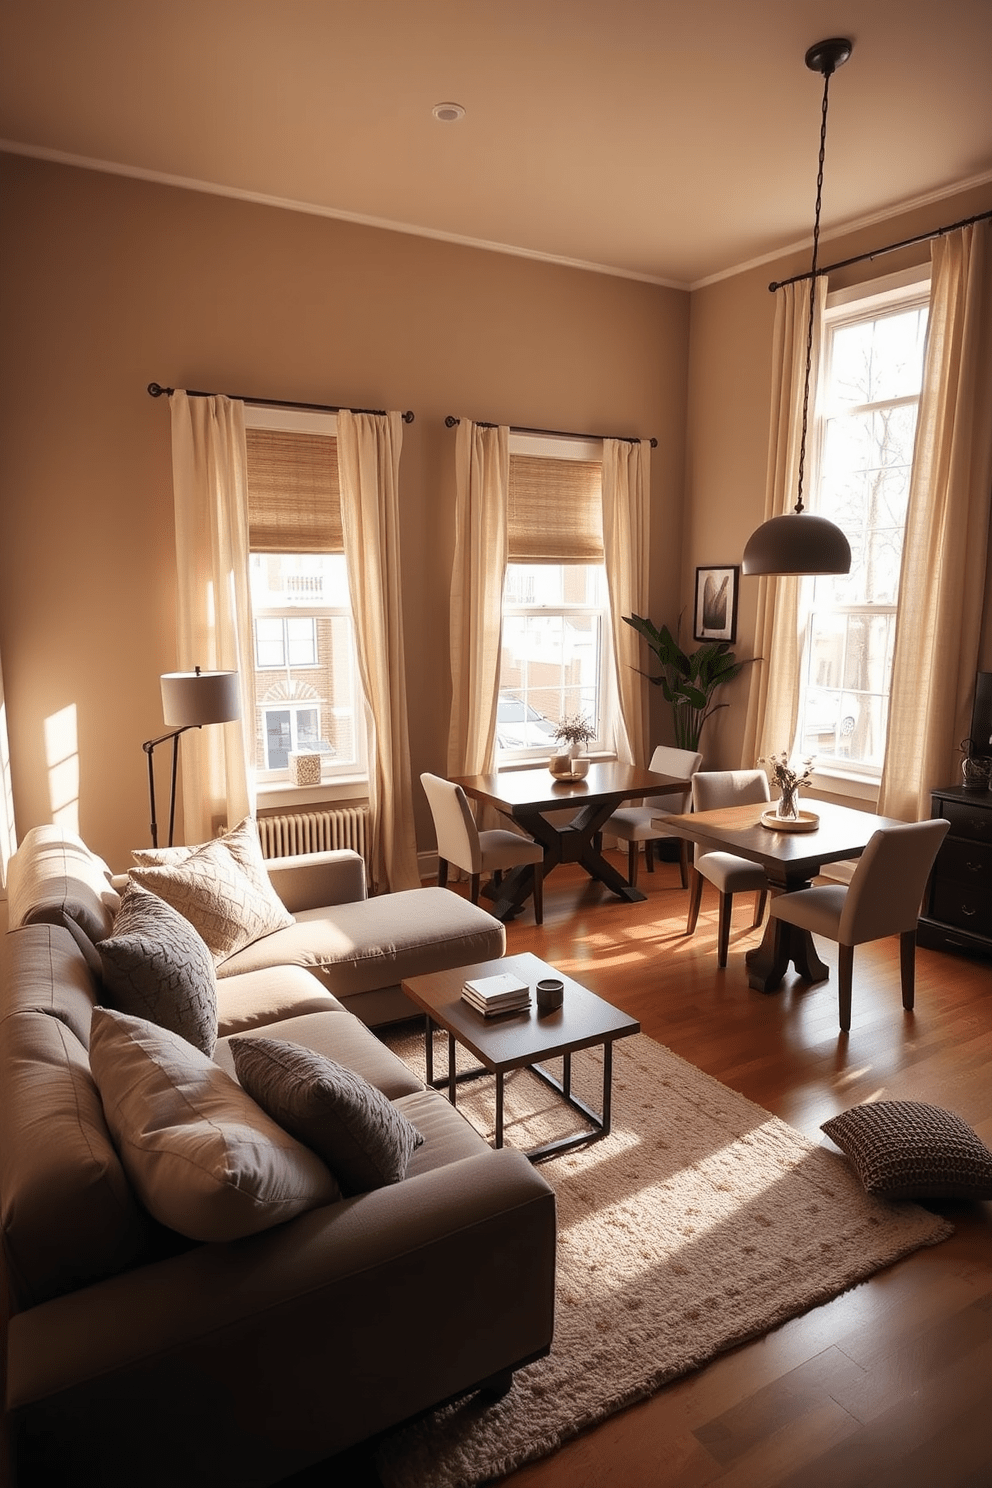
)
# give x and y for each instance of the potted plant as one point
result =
(688, 680)
(575, 731)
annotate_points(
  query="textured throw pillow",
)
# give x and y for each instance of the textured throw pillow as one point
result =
(200, 1154)
(907, 1150)
(163, 857)
(360, 1134)
(156, 966)
(222, 888)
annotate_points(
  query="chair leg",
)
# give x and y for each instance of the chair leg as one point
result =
(723, 932)
(684, 862)
(476, 877)
(907, 967)
(845, 973)
(695, 896)
(539, 893)
(760, 900)
(632, 864)
(442, 873)
(648, 855)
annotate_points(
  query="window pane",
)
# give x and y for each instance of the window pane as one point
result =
(551, 653)
(270, 648)
(866, 445)
(306, 682)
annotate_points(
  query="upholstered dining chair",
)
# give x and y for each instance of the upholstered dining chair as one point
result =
(636, 824)
(460, 842)
(883, 898)
(729, 874)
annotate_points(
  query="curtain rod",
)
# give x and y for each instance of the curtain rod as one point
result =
(937, 232)
(158, 392)
(451, 421)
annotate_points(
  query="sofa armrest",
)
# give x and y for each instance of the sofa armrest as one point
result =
(281, 1349)
(315, 880)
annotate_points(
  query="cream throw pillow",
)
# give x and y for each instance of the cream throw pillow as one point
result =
(223, 889)
(203, 1158)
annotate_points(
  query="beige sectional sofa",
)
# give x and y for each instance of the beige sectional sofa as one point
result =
(135, 1353)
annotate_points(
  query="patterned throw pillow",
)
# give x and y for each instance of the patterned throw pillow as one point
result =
(156, 966)
(223, 889)
(364, 1140)
(200, 1154)
(907, 1150)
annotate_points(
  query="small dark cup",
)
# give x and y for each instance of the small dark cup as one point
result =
(550, 994)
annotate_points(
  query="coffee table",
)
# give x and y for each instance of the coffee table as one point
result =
(520, 1040)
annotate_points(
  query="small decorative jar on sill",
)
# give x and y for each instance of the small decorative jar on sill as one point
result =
(304, 769)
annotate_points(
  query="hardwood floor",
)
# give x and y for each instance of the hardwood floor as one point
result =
(889, 1384)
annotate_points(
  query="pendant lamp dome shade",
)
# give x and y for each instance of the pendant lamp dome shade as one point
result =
(799, 543)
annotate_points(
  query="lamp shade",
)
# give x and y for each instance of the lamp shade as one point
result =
(190, 699)
(799, 543)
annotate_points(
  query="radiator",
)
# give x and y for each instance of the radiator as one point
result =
(314, 831)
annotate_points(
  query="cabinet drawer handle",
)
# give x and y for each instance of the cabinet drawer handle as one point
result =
(974, 867)
(966, 911)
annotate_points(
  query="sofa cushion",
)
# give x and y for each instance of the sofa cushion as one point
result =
(156, 966)
(203, 1157)
(54, 878)
(909, 1150)
(222, 888)
(339, 1036)
(364, 1140)
(257, 998)
(68, 1215)
(377, 942)
(45, 971)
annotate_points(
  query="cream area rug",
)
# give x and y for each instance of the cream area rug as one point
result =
(699, 1222)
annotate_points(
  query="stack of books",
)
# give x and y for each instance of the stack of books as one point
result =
(490, 995)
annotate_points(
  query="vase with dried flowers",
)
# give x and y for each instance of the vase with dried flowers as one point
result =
(788, 782)
(576, 731)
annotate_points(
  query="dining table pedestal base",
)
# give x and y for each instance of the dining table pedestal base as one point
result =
(783, 944)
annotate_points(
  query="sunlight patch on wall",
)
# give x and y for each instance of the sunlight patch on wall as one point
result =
(8, 831)
(62, 758)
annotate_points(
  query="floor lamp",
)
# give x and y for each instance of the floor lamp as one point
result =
(189, 700)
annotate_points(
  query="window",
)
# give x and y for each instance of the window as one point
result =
(307, 691)
(864, 433)
(556, 657)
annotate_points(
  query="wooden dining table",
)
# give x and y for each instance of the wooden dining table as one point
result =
(791, 860)
(538, 801)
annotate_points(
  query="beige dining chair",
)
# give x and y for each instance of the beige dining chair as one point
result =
(728, 873)
(637, 824)
(883, 898)
(460, 842)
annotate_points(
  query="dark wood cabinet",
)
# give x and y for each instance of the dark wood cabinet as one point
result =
(957, 909)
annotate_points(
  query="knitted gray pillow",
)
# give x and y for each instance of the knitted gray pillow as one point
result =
(908, 1150)
(364, 1140)
(156, 966)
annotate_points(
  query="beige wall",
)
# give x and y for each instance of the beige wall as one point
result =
(729, 385)
(109, 284)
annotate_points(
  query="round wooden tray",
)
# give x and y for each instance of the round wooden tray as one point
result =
(806, 821)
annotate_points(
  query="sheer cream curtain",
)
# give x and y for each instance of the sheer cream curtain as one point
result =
(482, 475)
(213, 601)
(773, 700)
(626, 515)
(368, 464)
(945, 554)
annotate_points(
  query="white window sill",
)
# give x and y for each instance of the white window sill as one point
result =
(847, 783)
(283, 793)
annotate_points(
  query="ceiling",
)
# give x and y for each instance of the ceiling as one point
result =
(662, 139)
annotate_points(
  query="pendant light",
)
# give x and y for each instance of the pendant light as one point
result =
(800, 542)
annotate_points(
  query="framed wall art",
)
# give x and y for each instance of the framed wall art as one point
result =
(715, 612)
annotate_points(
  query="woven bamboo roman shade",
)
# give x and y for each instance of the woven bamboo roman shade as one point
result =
(555, 510)
(294, 503)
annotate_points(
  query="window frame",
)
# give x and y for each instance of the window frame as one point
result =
(553, 447)
(894, 294)
(304, 421)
